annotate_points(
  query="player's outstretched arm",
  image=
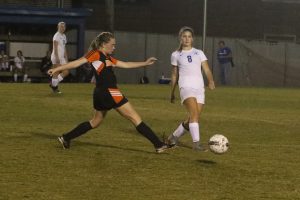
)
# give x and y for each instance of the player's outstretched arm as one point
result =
(149, 61)
(70, 65)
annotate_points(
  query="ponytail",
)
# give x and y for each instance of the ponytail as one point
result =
(103, 37)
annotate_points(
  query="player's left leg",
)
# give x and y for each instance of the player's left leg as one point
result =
(127, 111)
(25, 75)
(194, 109)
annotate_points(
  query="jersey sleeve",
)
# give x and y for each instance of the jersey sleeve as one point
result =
(55, 37)
(92, 56)
(174, 59)
(202, 56)
(113, 60)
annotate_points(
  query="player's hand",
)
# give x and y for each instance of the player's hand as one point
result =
(151, 61)
(211, 85)
(172, 100)
(51, 72)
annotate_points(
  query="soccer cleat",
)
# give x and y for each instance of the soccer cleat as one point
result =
(55, 89)
(64, 143)
(162, 148)
(198, 147)
(172, 141)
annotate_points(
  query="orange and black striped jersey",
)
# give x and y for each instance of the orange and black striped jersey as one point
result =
(103, 68)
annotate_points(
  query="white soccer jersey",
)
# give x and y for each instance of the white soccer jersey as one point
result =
(189, 66)
(19, 62)
(62, 41)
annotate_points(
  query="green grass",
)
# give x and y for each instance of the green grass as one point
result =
(115, 162)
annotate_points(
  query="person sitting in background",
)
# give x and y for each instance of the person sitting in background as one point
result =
(4, 60)
(19, 67)
(46, 63)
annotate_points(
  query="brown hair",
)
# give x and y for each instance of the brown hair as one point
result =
(103, 37)
(221, 42)
(181, 31)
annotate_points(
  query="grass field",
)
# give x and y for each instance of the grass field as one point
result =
(114, 162)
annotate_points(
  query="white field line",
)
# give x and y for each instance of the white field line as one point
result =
(264, 145)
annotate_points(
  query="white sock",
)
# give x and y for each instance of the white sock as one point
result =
(15, 77)
(194, 130)
(54, 82)
(60, 78)
(25, 77)
(179, 131)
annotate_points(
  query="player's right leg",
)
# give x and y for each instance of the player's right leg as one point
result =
(81, 129)
(173, 138)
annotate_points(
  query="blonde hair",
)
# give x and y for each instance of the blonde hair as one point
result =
(103, 37)
(181, 31)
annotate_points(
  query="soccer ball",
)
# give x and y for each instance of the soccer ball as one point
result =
(218, 144)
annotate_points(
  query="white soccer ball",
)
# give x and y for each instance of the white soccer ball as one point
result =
(218, 144)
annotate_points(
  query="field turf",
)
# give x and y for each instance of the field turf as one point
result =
(114, 162)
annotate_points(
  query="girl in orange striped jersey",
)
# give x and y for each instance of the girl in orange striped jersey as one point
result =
(106, 93)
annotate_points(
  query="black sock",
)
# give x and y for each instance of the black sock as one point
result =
(186, 126)
(78, 131)
(143, 129)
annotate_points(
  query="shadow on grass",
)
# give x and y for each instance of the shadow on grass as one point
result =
(207, 162)
(80, 143)
(43, 135)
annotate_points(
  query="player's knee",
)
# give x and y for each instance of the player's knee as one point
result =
(135, 119)
(194, 116)
(66, 73)
(95, 122)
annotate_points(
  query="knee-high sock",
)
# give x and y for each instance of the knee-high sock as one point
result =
(78, 131)
(60, 78)
(194, 130)
(143, 129)
(25, 77)
(179, 131)
(54, 82)
(15, 77)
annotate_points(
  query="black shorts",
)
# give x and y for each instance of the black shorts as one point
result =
(108, 98)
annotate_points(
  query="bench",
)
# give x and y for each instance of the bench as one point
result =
(33, 70)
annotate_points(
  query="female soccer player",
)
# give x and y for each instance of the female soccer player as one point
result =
(59, 56)
(187, 62)
(19, 66)
(106, 93)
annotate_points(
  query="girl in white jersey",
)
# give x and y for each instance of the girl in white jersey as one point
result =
(59, 56)
(187, 62)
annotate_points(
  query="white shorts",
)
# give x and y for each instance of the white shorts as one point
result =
(199, 94)
(61, 60)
